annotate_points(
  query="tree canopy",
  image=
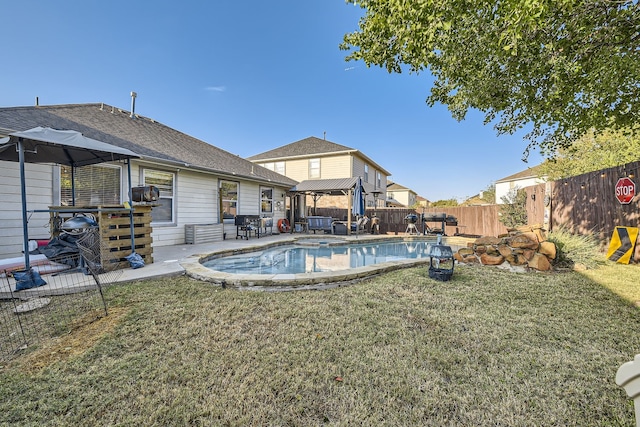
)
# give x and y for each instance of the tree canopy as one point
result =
(592, 152)
(560, 67)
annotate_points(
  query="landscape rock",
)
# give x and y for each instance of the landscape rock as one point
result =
(522, 241)
(540, 262)
(487, 240)
(465, 251)
(505, 250)
(549, 249)
(487, 259)
(522, 249)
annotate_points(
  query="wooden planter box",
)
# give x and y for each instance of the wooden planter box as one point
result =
(114, 225)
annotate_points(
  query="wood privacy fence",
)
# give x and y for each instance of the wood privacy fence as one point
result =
(585, 204)
(472, 220)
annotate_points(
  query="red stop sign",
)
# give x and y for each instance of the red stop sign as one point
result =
(625, 190)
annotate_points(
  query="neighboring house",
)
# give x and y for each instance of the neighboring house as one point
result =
(198, 182)
(525, 178)
(476, 200)
(422, 202)
(400, 195)
(314, 158)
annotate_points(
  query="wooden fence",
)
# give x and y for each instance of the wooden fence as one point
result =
(472, 220)
(584, 204)
(587, 203)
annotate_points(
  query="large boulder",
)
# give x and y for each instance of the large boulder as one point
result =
(487, 259)
(505, 250)
(523, 241)
(487, 240)
(540, 262)
(549, 249)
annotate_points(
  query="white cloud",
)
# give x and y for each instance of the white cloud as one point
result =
(215, 88)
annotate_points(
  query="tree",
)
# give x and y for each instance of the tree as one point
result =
(513, 210)
(489, 194)
(445, 203)
(561, 66)
(592, 152)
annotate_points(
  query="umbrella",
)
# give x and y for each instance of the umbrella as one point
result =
(66, 147)
(357, 207)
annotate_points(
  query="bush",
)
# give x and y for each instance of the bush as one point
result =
(575, 249)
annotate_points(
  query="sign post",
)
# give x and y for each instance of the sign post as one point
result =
(625, 190)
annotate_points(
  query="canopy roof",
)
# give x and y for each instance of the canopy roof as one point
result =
(332, 187)
(65, 147)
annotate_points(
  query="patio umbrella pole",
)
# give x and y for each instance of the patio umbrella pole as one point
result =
(23, 188)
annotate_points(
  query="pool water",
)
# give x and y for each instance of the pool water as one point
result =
(319, 257)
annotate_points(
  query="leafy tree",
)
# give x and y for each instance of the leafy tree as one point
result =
(445, 203)
(513, 210)
(592, 152)
(564, 67)
(489, 194)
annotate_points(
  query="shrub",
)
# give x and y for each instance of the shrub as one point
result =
(575, 249)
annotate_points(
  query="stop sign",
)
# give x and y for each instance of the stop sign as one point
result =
(625, 190)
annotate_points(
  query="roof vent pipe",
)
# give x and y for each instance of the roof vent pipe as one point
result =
(133, 105)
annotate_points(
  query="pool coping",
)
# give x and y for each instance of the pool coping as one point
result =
(318, 280)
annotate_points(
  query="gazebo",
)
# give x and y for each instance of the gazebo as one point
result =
(64, 147)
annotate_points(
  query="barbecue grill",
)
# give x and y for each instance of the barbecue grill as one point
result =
(411, 221)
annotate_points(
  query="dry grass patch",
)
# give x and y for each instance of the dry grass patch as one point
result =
(91, 328)
(487, 348)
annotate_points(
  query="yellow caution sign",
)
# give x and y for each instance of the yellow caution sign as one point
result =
(622, 243)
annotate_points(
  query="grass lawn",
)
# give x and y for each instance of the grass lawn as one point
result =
(488, 348)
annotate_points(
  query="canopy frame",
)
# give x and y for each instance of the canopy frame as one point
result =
(65, 147)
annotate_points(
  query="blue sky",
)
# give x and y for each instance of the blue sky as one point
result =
(248, 77)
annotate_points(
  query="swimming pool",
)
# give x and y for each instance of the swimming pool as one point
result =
(311, 262)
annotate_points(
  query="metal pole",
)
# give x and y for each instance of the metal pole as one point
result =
(133, 242)
(23, 188)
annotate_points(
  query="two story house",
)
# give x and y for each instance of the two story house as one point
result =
(400, 195)
(318, 159)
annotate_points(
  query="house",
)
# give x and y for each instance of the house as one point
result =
(198, 182)
(399, 195)
(506, 186)
(318, 159)
(423, 202)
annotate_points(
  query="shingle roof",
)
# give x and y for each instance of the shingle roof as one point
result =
(146, 137)
(311, 147)
(531, 172)
(305, 147)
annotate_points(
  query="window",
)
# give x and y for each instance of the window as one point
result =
(378, 180)
(95, 185)
(314, 168)
(229, 199)
(366, 173)
(275, 166)
(279, 167)
(165, 182)
(266, 200)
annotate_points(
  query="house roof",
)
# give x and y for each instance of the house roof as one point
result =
(531, 172)
(392, 186)
(152, 140)
(311, 147)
